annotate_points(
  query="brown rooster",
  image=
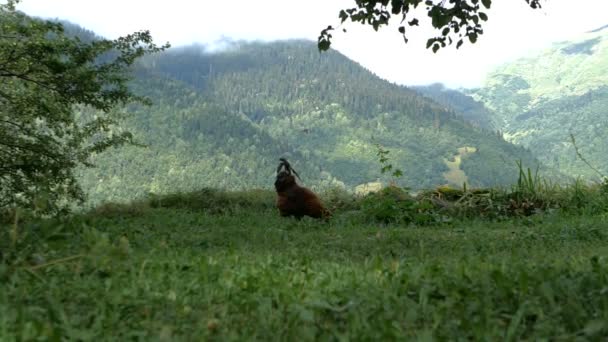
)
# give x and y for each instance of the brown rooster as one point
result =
(294, 200)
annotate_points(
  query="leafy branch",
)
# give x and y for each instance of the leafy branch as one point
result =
(386, 166)
(581, 157)
(45, 75)
(454, 20)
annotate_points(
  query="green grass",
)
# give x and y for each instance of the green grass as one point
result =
(227, 267)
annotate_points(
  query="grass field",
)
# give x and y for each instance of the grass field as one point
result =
(240, 272)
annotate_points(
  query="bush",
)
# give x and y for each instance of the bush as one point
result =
(395, 205)
(216, 201)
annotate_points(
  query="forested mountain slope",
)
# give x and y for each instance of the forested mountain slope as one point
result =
(223, 119)
(540, 100)
(464, 105)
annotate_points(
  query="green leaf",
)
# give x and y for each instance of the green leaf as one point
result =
(472, 37)
(483, 16)
(323, 45)
(486, 3)
(343, 16)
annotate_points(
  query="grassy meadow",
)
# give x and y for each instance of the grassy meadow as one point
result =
(212, 265)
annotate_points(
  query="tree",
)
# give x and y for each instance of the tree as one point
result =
(453, 20)
(49, 81)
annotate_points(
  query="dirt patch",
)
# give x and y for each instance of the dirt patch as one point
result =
(455, 175)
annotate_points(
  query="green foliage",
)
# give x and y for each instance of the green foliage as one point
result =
(44, 75)
(196, 273)
(338, 199)
(395, 205)
(453, 21)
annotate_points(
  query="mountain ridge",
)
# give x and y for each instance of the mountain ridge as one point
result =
(599, 29)
(541, 100)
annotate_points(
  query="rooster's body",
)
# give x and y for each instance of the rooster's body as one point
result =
(294, 200)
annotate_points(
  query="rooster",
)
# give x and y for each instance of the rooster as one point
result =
(294, 200)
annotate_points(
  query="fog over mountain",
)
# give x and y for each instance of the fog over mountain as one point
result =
(512, 31)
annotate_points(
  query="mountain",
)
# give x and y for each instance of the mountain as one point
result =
(538, 101)
(222, 119)
(464, 105)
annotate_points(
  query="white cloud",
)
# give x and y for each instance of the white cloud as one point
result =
(512, 31)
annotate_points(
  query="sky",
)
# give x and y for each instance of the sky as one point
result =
(513, 30)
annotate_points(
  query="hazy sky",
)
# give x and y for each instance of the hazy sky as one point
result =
(512, 31)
